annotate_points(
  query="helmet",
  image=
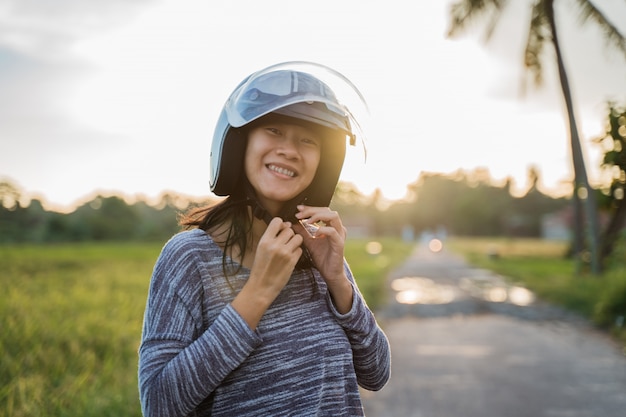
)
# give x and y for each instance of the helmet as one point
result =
(304, 91)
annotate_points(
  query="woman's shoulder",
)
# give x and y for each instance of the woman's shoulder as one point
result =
(189, 239)
(187, 254)
(188, 244)
(179, 271)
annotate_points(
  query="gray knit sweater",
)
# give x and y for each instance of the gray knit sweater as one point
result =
(198, 357)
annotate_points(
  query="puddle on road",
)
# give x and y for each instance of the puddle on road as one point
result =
(521, 296)
(495, 289)
(420, 290)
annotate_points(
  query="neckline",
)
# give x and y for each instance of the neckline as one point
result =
(229, 261)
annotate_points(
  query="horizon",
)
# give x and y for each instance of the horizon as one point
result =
(124, 97)
(478, 175)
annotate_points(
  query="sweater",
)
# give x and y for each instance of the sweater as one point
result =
(198, 357)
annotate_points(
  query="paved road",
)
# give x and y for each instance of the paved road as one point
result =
(466, 344)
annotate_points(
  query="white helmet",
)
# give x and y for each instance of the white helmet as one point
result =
(309, 92)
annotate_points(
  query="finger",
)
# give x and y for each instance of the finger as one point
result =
(274, 227)
(321, 223)
(278, 228)
(288, 236)
(329, 232)
(328, 219)
(314, 214)
(305, 212)
(296, 244)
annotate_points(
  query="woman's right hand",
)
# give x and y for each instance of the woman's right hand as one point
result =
(276, 256)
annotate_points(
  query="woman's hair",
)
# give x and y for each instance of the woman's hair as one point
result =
(236, 211)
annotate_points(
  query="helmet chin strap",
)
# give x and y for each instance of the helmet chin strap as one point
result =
(287, 214)
(259, 212)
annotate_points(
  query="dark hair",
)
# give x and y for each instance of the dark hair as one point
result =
(233, 210)
(236, 210)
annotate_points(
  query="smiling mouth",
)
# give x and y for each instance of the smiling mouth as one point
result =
(282, 171)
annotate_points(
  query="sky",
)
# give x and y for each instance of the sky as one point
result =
(122, 96)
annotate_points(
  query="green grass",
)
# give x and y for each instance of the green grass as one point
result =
(542, 267)
(370, 270)
(70, 321)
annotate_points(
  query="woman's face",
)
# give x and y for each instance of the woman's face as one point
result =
(280, 162)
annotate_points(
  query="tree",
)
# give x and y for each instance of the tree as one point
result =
(105, 218)
(543, 29)
(614, 162)
(470, 204)
(9, 195)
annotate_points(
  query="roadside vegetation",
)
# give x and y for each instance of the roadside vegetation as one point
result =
(543, 267)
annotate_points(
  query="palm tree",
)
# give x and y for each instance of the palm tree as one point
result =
(615, 159)
(543, 29)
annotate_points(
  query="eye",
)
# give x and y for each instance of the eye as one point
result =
(273, 130)
(310, 141)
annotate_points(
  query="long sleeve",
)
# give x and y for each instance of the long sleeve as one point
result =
(198, 357)
(180, 364)
(370, 347)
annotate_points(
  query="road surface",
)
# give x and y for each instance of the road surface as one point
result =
(467, 344)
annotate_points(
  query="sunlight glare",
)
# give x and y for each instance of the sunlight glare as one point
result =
(435, 245)
(521, 296)
(419, 290)
(496, 295)
(374, 248)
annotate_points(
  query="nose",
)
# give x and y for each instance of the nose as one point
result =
(288, 148)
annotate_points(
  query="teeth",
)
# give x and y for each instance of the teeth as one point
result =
(282, 171)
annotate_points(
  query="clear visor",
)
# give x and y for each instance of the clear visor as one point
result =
(291, 83)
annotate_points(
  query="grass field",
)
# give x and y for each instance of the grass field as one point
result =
(70, 320)
(542, 267)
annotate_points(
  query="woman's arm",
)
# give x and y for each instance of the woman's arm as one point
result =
(180, 364)
(370, 347)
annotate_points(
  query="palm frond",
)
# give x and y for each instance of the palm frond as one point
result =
(493, 22)
(612, 35)
(465, 11)
(538, 35)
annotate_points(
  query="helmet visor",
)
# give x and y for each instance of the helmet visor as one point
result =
(321, 95)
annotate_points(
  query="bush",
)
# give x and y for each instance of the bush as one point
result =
(610, 310)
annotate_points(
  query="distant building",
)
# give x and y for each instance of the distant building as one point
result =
(557, 225)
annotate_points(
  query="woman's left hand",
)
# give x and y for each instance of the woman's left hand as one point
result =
(327, 250)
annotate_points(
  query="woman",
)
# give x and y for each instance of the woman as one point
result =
(253, 311)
